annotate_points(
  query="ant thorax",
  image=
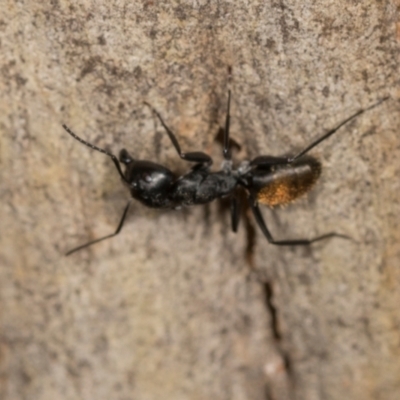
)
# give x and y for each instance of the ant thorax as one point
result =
(244, 168)
(226, 166)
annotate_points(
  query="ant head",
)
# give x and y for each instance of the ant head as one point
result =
(147, 181)
(125, 157)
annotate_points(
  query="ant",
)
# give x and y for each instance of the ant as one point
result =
(267, 180)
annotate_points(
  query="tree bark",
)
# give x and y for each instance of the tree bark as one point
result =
(177, 306)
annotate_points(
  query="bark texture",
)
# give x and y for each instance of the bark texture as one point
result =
(170, 309)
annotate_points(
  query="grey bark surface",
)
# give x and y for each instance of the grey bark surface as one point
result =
(169, 309)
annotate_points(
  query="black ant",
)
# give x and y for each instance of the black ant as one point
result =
(266, 179)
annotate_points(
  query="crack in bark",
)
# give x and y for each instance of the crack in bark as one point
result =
(272, 311)
(278, 337)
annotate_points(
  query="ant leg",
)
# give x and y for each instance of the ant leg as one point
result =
(235, 213)
(195, 156)
(115, 159)
(121, 223)
(226, 152)
(332, 131)
(296, 242)
(235, 205)
(268, 161)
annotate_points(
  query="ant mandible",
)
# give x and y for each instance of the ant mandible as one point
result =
(266, 179)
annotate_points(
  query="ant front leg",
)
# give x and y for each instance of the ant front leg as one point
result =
(292, 242)
(118, 230)
(195, 156)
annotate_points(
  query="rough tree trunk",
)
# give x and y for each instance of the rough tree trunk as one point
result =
(177, 306)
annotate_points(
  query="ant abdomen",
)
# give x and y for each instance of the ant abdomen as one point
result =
(284, 183)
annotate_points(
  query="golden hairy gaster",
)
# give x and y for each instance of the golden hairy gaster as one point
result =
(286, 184)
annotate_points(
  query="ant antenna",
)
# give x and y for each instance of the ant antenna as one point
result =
(92, 146)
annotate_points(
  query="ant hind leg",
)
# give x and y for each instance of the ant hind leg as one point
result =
(291, 242)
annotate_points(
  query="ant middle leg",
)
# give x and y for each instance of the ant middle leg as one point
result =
(235, 208)
(291, 242)
(195, 156)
